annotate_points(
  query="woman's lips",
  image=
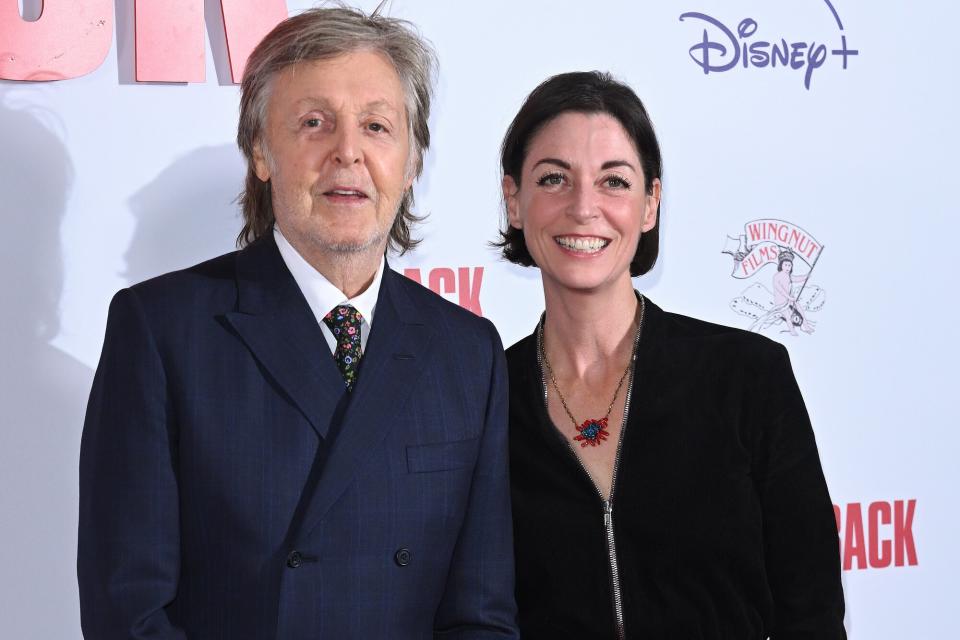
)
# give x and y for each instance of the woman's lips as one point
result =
(582, 244)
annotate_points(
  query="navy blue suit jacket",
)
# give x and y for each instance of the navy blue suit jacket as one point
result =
(230, 487)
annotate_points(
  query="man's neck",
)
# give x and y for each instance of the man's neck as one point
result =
(349, 271)
(352, 273)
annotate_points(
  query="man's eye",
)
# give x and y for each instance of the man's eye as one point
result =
(312, 122)
(551, 180)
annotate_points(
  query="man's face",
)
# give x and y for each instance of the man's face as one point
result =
(336, 151)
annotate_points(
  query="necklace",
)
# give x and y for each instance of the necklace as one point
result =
(592, 431)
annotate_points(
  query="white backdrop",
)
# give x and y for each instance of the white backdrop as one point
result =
(105, 182)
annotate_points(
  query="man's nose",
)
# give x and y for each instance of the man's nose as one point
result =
(347, 149)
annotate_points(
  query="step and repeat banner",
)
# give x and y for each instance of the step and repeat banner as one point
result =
(823, 131)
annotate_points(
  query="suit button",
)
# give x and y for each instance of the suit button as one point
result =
(402, 557)
(294, 560)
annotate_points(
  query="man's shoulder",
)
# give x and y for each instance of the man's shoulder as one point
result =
(210, 282)
(443, 314)
(456, 333)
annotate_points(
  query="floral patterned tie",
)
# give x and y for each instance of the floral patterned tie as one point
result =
(344, 321)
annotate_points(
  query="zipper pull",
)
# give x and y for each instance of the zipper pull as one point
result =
(607, 513)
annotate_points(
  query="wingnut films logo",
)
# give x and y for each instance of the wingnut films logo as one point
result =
(784, 299)
(721, 48)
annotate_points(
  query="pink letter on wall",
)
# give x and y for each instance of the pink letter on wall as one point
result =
(170, 40)
(70, 39)
(246, 22)
(170, 46)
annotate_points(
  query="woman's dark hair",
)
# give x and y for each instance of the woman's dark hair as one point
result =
(582, 92)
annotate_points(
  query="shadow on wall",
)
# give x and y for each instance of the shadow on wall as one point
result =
(43, 390)
(186, 215)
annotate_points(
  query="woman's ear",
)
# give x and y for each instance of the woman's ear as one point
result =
(512, 201)
(651, 206)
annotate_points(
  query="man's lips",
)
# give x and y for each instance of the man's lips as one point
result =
(341, 192)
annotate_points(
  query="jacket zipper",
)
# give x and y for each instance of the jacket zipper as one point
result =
(606, 503)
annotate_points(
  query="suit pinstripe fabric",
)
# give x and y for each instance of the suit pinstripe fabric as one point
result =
(232, 488)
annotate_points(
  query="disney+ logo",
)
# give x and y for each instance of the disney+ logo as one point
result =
(722, 49)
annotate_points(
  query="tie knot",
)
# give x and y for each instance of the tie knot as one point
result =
(345, 320)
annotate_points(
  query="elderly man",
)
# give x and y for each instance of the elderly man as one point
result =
(293, 441)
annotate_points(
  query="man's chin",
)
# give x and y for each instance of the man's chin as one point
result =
(349, 246)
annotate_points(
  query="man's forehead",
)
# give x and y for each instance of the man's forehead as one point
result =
(326, 103)
(364, 80)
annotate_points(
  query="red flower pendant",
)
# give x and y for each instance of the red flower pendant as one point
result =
(592, 432)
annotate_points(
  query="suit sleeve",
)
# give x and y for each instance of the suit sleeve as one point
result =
(478, 601)
(128, 553)
(800, 535)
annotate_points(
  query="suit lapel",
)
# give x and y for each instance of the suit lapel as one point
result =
(398, 349)
(275, 322)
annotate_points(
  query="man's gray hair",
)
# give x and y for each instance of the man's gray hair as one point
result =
(321, 34)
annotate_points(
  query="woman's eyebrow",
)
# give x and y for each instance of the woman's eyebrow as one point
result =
(554, 161)
(611, 164)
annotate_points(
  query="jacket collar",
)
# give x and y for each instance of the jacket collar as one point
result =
(276, 324)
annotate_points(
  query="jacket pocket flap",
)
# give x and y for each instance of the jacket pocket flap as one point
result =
(441, 456)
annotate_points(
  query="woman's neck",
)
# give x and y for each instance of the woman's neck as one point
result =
(587, 331)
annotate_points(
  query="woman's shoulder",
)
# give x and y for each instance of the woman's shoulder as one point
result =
(523, 352)
(676, 329)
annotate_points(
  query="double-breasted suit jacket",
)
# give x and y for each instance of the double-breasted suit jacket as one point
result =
(230, 487)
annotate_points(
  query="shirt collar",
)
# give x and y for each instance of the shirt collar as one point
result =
(321, 294)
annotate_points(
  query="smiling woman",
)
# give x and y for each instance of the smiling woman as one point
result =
(723, 526)
(584, 186)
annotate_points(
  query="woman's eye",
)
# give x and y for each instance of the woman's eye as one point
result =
(616, 182)
(551, 180)
(311, 123)
(376, 127)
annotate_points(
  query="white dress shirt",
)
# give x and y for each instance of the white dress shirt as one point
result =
(323, 296)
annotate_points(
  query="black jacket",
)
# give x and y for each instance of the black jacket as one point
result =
(722, 520)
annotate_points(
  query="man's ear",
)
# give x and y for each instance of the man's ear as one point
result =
(651, 206)
(260, 165)
(512, 200)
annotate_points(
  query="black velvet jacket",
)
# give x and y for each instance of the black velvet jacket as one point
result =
(722, 520)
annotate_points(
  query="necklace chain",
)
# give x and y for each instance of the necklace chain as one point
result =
(601, 423)
(553, 381)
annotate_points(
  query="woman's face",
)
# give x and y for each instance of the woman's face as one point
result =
(582, 204)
